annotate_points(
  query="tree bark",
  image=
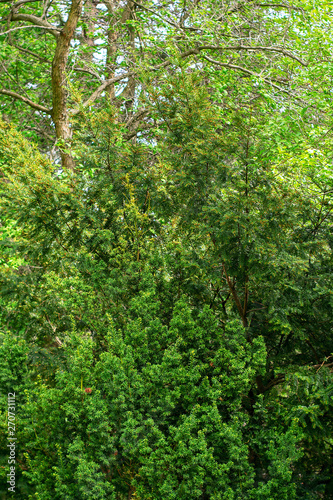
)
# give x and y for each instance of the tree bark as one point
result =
(111, 48)
(60, 114)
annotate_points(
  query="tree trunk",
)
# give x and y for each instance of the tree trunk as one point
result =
(59, 91)
(111, 47)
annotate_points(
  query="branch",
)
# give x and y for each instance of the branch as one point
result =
(87, 70)
(45, 25)
(185, 14)
(197, 51)
(248, 72)
(147, 127)
(259, 47)
(26, 51)
(136, 117)
(279, 379)
(31, 26)
(183, 55)
(232, 289)
(249, 2)
(36, 21)
(188, 53)
(57, 342)
(278, 6)
(21, 2)
(328, 365)
(156, 14)
(32, 104)
(100, 89)
(41, 132)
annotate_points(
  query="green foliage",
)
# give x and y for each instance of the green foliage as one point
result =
(166, 307)
(170, 427)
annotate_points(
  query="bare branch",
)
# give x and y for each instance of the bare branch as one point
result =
(41, 131)
(30, 103)
(140, 114)
(324, 363)
(197, 50)
(87, 70)
(156, 14)
(26, 51)
(245, 4)
(185, 14)
(57, 342)
(278, 6)
(100, 89)
(52, 30)
(36, 21)
(21, 2)
(273, 48)
(248, 72)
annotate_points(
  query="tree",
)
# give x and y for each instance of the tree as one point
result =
(169, 297)
(109, 49)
